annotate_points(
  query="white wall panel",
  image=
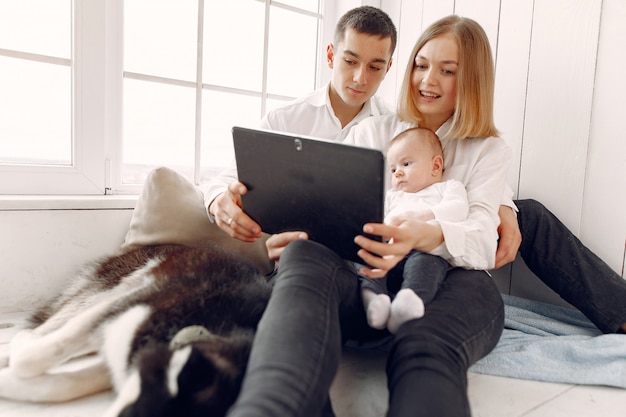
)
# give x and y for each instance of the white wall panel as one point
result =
(560, 89)
(434, 10)
(603, 224)
(511, 78)
(409, 28)
(485, 12)
(387, 89)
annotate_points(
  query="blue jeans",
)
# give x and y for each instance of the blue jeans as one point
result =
(563, 263)
(316, 305)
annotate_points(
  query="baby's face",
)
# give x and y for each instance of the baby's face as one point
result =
(411, 166)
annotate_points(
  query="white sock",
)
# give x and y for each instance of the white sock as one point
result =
(406, 306)
(377, 308)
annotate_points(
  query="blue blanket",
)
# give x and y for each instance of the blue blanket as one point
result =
(555, 344)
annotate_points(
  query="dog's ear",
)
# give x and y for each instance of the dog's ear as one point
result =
(208, 383)
(198, 373)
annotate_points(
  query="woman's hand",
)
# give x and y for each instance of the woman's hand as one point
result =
(229, 216)
(510, 237)
(276, 244)
(399, 238)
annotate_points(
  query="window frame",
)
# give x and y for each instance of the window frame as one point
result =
(86, 175)
(97, 82)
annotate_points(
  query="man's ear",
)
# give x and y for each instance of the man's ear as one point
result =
(389, 65)
(330, 55)
(437, 165)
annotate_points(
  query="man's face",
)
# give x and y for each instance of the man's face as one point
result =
(359, 63)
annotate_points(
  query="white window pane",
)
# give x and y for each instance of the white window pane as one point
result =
(35, 112)
(37, 26)
(159, 128)
(222, 111)
(310, 5)
(160, 38)
(233, 44)
(292, 53)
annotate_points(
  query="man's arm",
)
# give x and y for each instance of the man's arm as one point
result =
(217, 186)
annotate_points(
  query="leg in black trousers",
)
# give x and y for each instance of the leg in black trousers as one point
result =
(428, 362)
(561, 261)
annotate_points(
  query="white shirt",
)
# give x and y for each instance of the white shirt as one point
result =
(311, 115)
(479, 163)
(446, 199)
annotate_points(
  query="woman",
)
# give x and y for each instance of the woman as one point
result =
(316, 302)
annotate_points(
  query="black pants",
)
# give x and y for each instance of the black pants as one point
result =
(418, 271)
(563, 263)
(316, 303)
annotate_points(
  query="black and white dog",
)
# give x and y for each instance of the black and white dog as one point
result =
(168, 327)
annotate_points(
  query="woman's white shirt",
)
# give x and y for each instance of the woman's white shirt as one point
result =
(480, 164)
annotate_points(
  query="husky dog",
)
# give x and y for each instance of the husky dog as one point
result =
(169, 328)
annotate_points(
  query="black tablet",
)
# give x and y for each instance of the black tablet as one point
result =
(327, 189)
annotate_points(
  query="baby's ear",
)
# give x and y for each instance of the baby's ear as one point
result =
(437, 164)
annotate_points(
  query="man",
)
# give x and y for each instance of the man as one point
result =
(360, 57)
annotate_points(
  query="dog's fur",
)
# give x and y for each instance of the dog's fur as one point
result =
(126, 310)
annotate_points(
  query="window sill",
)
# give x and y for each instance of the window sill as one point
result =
(67, 202)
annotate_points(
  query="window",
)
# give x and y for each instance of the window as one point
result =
(102, 91)
(42, 67)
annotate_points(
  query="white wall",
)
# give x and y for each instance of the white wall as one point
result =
(41, 249)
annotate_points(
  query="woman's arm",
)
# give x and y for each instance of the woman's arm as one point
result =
(481, 164)
(399, 239)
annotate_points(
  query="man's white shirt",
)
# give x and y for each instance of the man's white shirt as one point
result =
(311, 115)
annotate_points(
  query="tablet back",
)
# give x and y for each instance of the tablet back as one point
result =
(326, 189)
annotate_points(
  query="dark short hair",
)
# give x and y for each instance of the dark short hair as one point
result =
(369, 20)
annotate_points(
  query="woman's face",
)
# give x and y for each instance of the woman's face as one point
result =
(433, 80)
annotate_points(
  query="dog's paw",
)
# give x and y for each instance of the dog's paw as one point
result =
(22, 339)
(24, 353)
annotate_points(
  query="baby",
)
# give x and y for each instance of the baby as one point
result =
(415, 159)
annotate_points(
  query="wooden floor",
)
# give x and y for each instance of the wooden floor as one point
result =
(359, 391)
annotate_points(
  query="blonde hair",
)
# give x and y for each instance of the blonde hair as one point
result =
(473, 113)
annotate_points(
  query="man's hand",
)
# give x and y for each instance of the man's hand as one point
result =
(229, 216)
(510, 237)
